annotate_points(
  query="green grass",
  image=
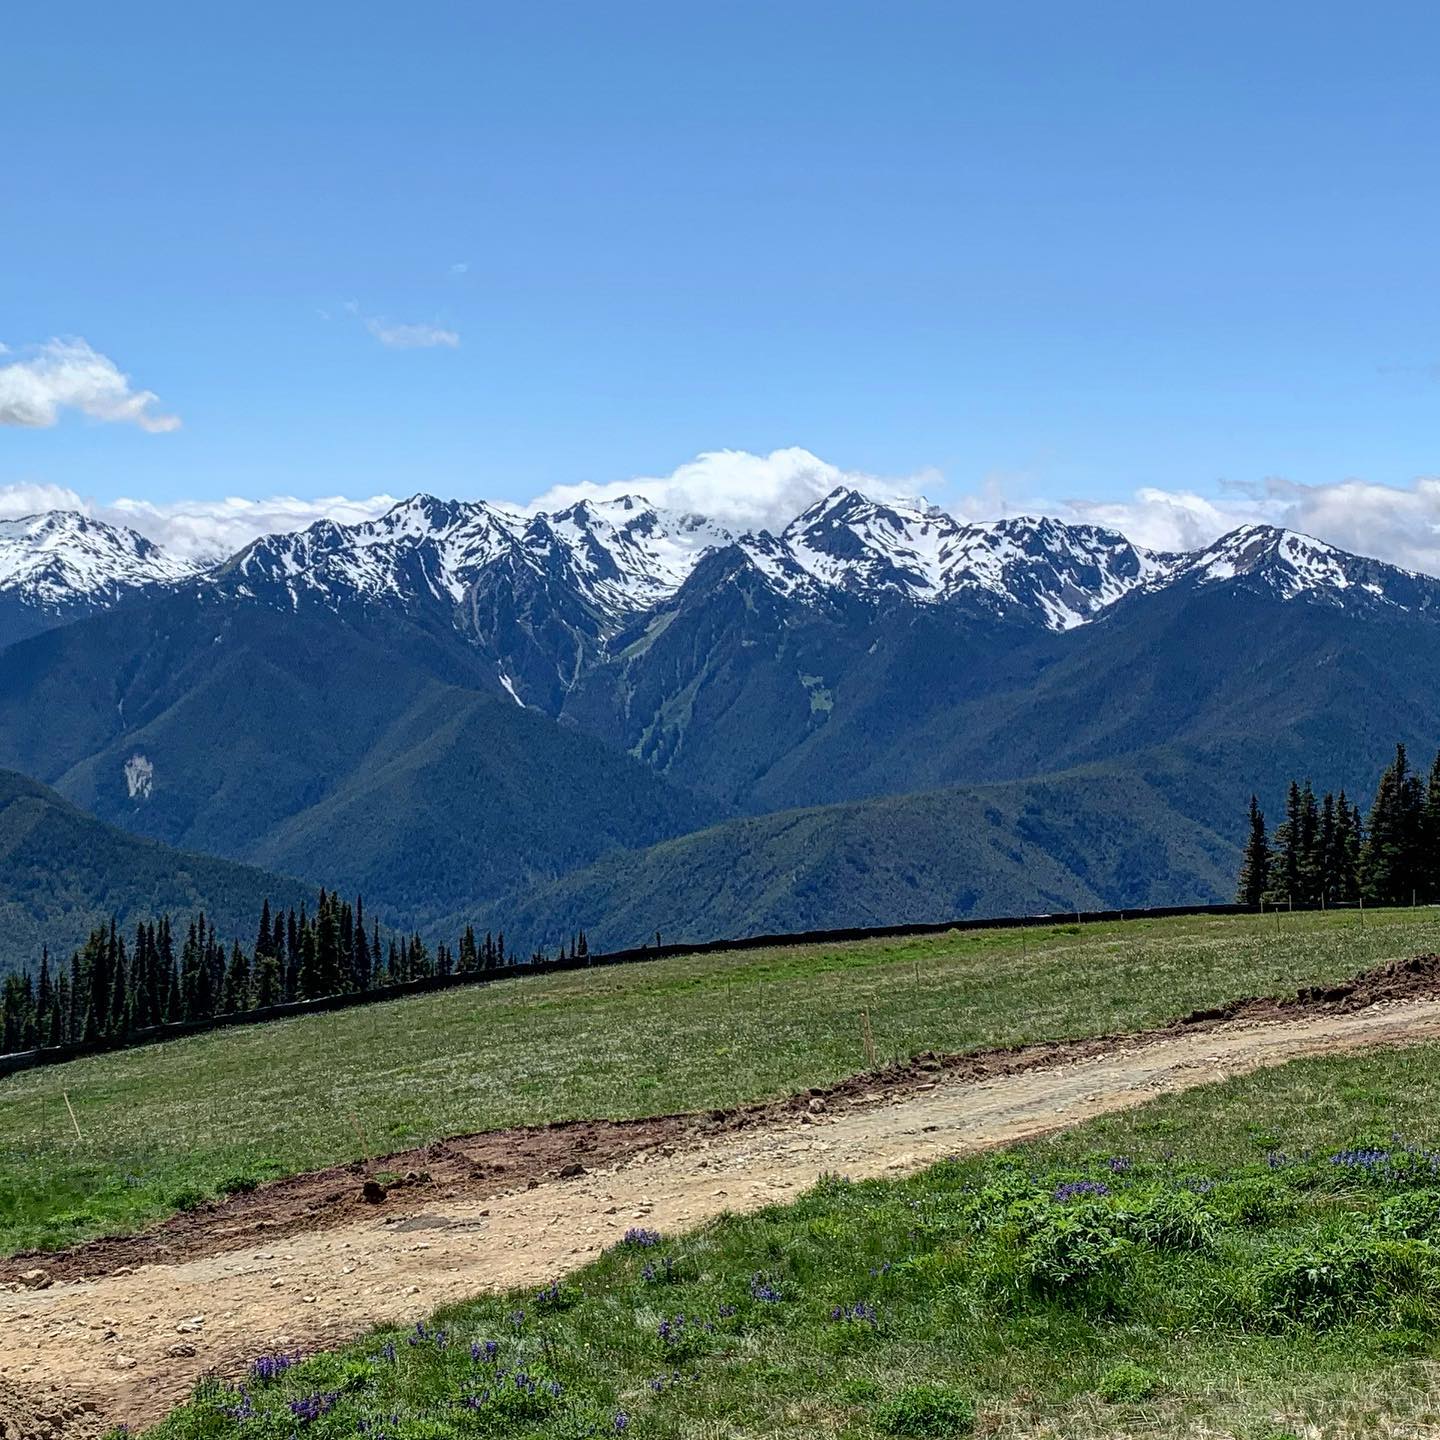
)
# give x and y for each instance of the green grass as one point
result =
(1232, 1280)
(165, 1126)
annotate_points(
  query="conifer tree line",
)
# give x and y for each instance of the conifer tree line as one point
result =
(117, 983)
(1325, 852)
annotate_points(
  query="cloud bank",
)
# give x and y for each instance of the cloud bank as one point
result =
(200, 530)
(745, 491)
(70, 375)
(740, 490)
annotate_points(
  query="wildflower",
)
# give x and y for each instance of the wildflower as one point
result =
(312, 1407)
(639, 1238)
(622, 1422)
(270, 1367)
(762, 1289)
(859, 1311)
(1119, 1164)
(1081, 1187)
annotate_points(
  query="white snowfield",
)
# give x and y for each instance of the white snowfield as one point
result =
(620, 558)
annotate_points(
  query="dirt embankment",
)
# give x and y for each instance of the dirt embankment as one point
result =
(129, 1324)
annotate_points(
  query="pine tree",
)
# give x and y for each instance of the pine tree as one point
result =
(1429, 878)
(327, 974)
(1388, 861)
(1285, 865)
(236, 997)
(118, 1025)
(263, 939)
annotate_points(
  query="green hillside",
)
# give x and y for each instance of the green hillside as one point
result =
(62, 872)
(688, 1033)
(1254, 1259)
(357, 754)
(1090, 839)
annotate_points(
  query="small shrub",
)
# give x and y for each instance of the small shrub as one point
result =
(926, 1410)
(1127, 1384)
(187, 1199)
(1174, 1220)
(1338, 1280)
(238, 1185)
(859, 1392)
(1255, 1203)
(1413, 1216)
(1075, 1248)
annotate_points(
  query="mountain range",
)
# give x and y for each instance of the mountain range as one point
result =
(630, 718)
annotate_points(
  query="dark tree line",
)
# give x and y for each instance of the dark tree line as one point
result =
(1325, 853)
(117, 983)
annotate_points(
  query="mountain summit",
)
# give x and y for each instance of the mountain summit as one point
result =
(600, 564)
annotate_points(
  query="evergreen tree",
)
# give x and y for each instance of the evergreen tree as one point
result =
(1429, 867)
(236, 997)
(118, 1025)
(263, 939)
(326, 979)
(1389, 860)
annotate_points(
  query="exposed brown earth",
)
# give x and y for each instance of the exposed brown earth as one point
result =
(127, 1325)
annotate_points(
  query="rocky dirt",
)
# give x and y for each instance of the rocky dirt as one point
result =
(128, 1326)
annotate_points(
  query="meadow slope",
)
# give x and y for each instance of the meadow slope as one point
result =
(162, 1128)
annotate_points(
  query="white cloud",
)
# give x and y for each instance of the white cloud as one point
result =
(740, 490)
(30, 499)
(412, 337)
(743, 491)
(197, 529)
(460, 267)
(1400, 524)
(70, 375)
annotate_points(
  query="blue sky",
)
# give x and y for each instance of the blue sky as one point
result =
(1051, 252)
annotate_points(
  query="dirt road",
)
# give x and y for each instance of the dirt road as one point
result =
(133, 1341)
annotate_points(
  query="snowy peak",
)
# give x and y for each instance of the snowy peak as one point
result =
(1068, 573)
(630, 554)
(1065, 574)
(619, 556)
(63, 559)
(849, 542)
(1292, 566)
(422, 548)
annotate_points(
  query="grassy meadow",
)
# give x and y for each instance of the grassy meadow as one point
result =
(1259, 1259)
(166, 1126)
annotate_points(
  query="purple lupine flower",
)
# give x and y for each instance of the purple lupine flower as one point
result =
(312, 1407)
(1081, 1187)
(622, 1422)
(270, 1367)
(637, 1237)
(762, 1289)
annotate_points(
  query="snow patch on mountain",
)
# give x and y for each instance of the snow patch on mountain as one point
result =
(63, 558)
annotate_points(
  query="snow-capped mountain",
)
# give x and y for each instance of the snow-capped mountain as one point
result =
(590, 570)
(1290, 566)
(618, 555)
(1065, 574)
(61, 564)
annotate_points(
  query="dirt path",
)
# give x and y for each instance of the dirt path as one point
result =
(133, 1342)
